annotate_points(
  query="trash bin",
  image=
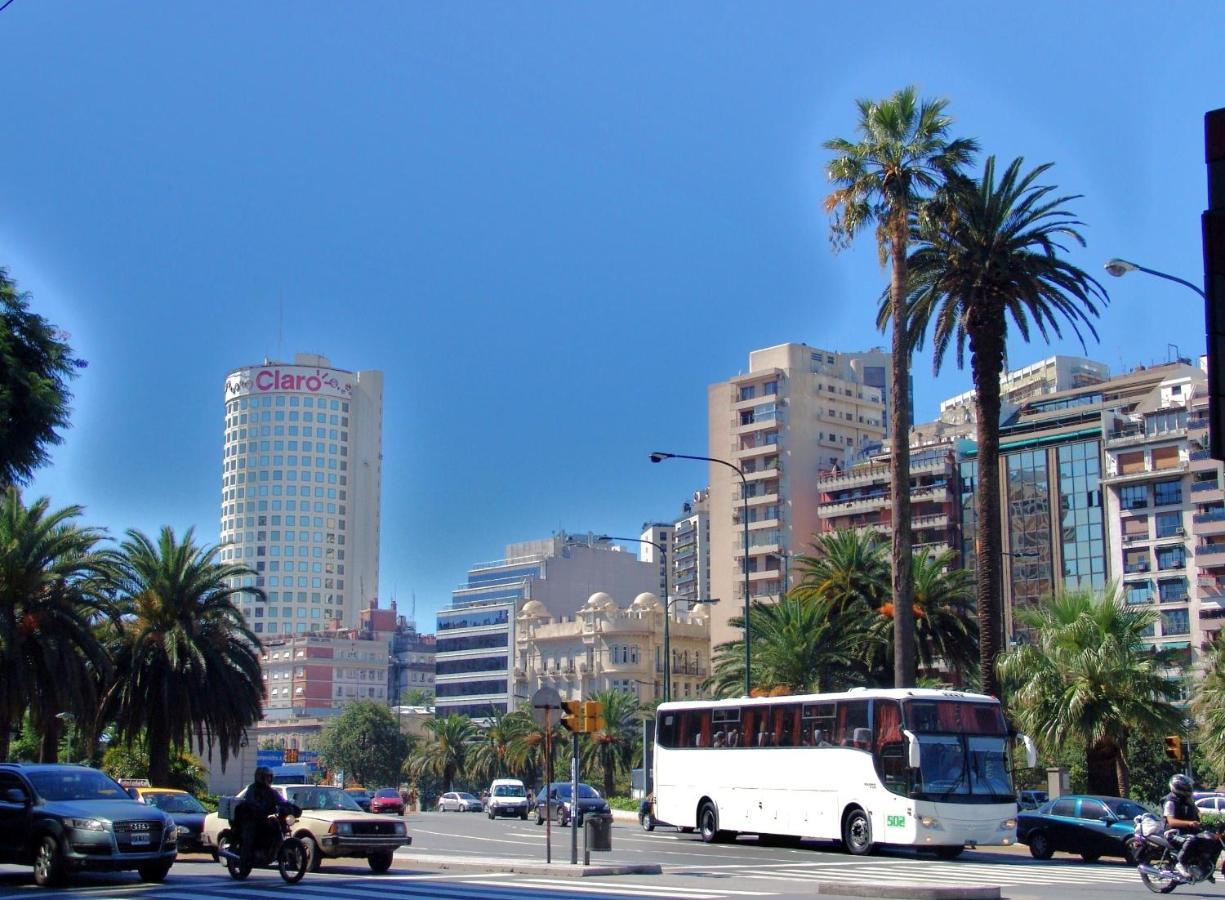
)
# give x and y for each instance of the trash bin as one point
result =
(597, 832)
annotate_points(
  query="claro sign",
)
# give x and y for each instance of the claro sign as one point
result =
(289, 379)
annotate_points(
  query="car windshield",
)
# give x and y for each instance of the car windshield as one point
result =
(585, 791)
(76, 784)
(466, 797)
(173, 803)
(388, 792)
(1126, 809)
(509, 790)
(323, 798)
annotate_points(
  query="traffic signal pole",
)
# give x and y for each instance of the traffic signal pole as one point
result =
(574, 804)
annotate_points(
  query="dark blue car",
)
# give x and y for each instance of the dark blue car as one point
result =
(1089, 826)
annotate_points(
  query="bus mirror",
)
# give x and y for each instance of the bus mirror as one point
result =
(1031, 751)
(913, 758)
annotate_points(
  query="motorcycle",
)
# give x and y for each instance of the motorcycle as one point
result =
(1156, 855)
(285, 851)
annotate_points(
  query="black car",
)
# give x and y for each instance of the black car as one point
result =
(361, 797)
(186, 811)
(64, 818)
(554, 800)
(1090, 826)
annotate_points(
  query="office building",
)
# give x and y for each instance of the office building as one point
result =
(476, 634)
(607, 647)
(301, 473)
(798, 412)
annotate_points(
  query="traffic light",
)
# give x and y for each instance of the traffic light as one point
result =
(1173, 747)
(291, 756)
(593, 716)
(572, 715)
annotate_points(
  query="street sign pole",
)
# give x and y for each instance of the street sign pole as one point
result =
(574, 800)
(544, 701)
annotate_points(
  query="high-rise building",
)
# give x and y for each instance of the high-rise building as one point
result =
(301, 473)
(797, 412)
(690, 572)
(653, 534)
(1046, 376)
(476, 634)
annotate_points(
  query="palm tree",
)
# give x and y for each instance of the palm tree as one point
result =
(846, 567)
(526, 751)
(35, 367)
(50, 599)
(488, 756)
(1088, 681)
(1209, 706)
(186, 665)
(800, 645)
(992, 258)
(446, 756)
(946, 633)
(901, 160)
(611, 748)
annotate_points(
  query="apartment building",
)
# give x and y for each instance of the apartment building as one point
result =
(1017, 386)
(797, 413)
(860, 497)
(656, 535)
(691, 552)
(607, 647)
(476, 634)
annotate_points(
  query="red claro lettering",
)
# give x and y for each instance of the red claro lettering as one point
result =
(276, 380)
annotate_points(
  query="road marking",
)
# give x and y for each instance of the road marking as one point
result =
(618, 889)
(651, 887)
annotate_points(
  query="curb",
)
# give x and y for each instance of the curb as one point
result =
(904, 892)
(523, 867)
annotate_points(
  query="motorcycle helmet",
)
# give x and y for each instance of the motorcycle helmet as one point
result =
(1181, 785)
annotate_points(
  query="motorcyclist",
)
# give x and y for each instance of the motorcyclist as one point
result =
(1181, 818)
(259, 801)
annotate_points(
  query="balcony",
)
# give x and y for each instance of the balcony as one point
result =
(845, 507)
(1197, 455)
(1201, 486)
(1135, 538)
(1136, 568)
(939, 520)
(1209, 550)
(1197, 424)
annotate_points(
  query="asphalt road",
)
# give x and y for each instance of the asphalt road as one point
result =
(691, 870)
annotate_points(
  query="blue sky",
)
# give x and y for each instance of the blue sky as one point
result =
(551, 225)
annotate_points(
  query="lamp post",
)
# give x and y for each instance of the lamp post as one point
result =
(668, 601)
(659, 456)
(1120, 267)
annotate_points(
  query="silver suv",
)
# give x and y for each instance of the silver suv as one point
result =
(65, 818)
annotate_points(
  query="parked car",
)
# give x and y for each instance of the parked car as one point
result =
(186, 810)
(507, 797)
(65, 818)
(388, 802)
(554, 800)
(332, 826)
(1210, 803)
(1031, 799)
(1090, 826)
(459, 801)
(361, 797)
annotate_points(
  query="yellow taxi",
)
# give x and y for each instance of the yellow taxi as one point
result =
(181, 806)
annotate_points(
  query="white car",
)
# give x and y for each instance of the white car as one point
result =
(507, 797)
(332, 826)
(459, 801)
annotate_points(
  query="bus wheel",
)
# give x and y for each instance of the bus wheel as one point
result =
(857, 833)
(708, 825)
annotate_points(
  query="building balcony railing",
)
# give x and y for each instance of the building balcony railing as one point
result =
(1196, 424)
(1199, 454)
(1134, 538)
(1136, 568)
(1210, 550)
(1201, 486)
(1216, 515)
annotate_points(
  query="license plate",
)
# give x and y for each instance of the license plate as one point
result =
(138, 839)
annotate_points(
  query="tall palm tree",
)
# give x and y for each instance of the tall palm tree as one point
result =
(526, 751)
(800, 645)
(1088, 681)
(186, 664)
(1209, 706)
(946, 633)
(446, 755)
(488, 756)
(902, 159)
(995, 258)
(50, 599)
(611, 748)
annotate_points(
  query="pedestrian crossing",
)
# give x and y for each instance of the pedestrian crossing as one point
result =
(909, 872)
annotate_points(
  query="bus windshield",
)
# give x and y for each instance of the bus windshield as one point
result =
(963, 751)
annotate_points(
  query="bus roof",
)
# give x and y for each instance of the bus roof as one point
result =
(858, 693)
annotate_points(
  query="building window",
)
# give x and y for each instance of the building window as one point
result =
(1169, 524)
(1175, 621)
(1167, 493)
(748, 392)
(1133, 496)
(1139, 592)
(1171, 557)
(1172, 590)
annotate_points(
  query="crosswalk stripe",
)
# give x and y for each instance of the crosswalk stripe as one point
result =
(615, 889)
(619, 885)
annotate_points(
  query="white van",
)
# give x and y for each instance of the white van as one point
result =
(507, 797)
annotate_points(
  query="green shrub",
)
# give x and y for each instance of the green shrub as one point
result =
(628, 803)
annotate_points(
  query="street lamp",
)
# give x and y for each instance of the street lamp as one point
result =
(1120, 267)
(659, 456)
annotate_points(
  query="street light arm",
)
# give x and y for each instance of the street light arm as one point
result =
(1120, 267)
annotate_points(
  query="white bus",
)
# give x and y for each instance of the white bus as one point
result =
(911, 767)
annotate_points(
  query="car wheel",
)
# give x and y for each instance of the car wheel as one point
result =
(523, 815)
(50, 868)
(314, 855)
(1040, 846)
(708, 825)
(1091, 857)
(647, 821)
(857, 833)
(380, 862)
(154, 873)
